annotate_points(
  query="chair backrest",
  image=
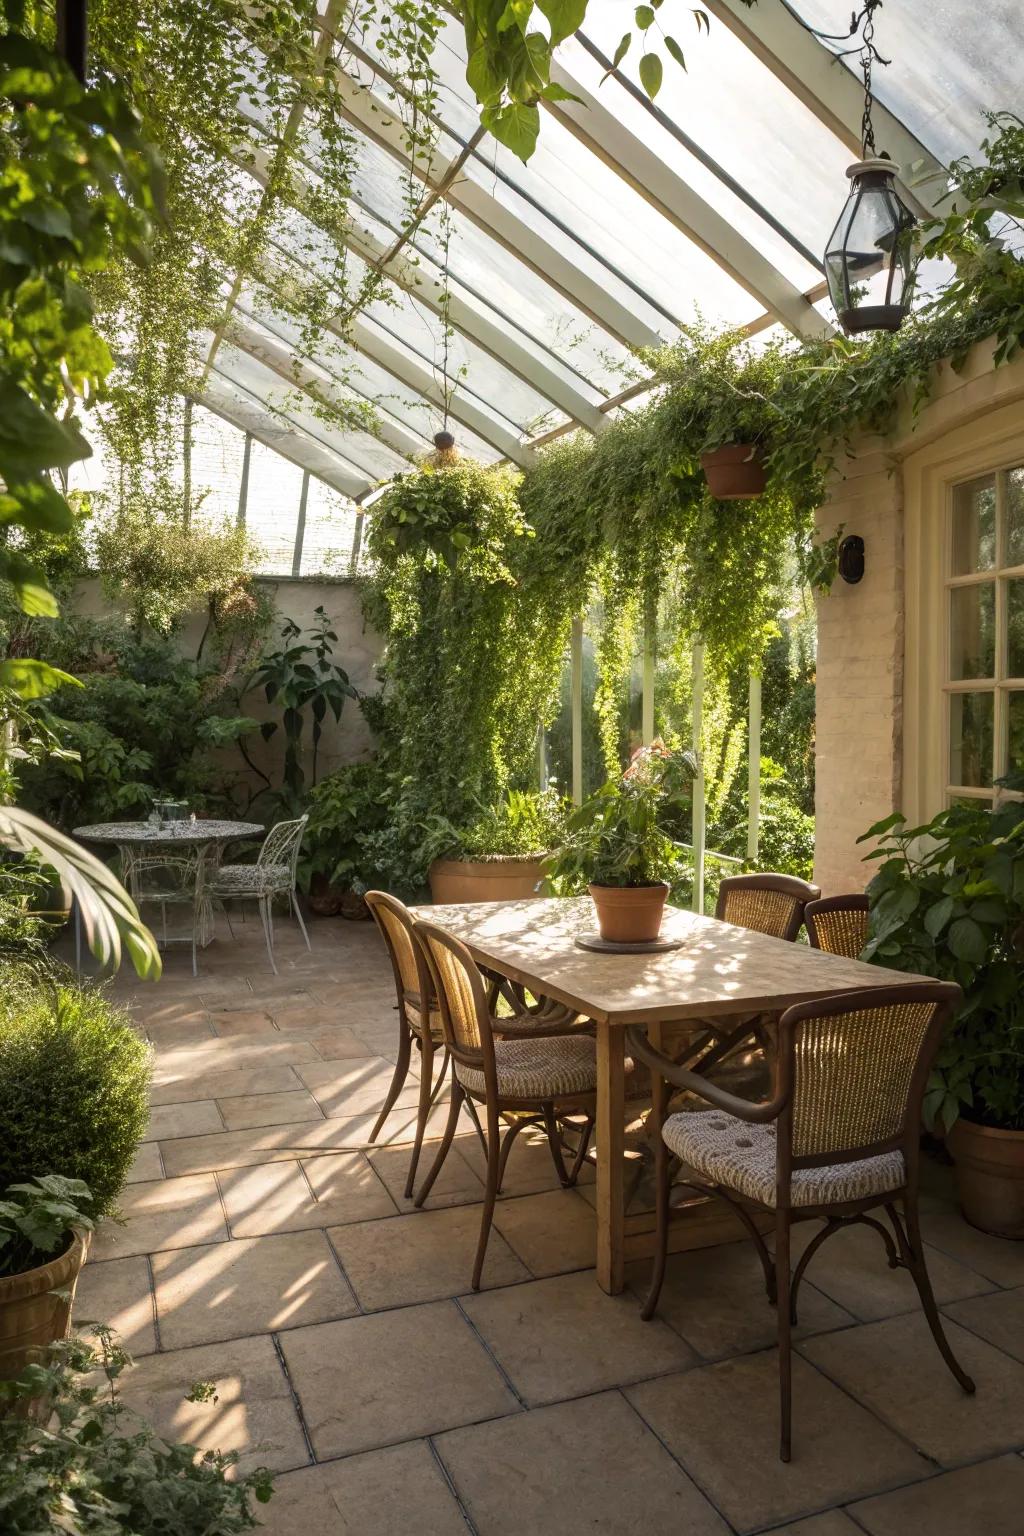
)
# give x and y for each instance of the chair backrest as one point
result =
(462, 1000)
(408, 960)
(282, 843)
(838, 924)
(851, 1073)
(771, 904)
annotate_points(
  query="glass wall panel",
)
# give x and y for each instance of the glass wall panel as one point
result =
(272, 508)
(328, 534)
(970, 739)
(218, 449)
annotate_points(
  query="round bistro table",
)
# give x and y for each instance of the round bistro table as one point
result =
(189, 851)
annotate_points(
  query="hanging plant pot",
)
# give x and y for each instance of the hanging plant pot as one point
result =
(734, 472)
(503, 878)
(629, 914)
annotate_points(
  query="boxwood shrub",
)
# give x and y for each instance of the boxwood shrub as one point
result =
(73, 1086)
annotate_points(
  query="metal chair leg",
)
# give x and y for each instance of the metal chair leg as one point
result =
(294, 904)
(490, 1194)
(398, 1078)
(581, 1152)
(268, 931)
(446, 1141)
(912, 1250)
(782, 1281)
(555, 1144)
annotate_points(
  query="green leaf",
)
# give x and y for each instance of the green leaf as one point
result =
(33, 679)
(644, 17)
(622, 49)
(967, 941)
(650, 74)
(33, 595)
(937, 916)
(555, 92)
(675, 51)
(31, 440)
(564, 17)
(516, 126)
(36, 504)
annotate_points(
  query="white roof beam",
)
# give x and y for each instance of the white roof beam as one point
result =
(824, 84)
(367, 112)
(677, 201)
(492, 338)
(278, 357)
(221, 395)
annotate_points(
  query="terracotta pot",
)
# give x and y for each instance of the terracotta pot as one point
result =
(629, 914)
(32, 1317)
(990, 1177)
(455, 880)
(734, 472)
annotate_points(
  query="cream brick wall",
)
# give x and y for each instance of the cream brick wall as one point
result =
(862, 630)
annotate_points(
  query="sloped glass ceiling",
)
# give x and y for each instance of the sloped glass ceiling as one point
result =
(515, 308)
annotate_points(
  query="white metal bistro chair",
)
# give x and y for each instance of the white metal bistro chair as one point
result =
(273, 874)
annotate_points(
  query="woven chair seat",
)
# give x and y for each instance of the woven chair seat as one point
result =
(538, 1069)
(251, 879)
(737, 1155)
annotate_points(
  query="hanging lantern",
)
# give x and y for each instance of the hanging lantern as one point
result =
(869, 259)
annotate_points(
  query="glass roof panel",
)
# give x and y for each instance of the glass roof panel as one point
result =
(594, 201)
(366, 455)
(950, 60)
(746, 120)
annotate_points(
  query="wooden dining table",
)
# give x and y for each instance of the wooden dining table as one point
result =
(719, 970)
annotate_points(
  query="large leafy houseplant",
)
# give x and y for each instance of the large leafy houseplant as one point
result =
(77, 185)
(947, 900)
(44, 1228)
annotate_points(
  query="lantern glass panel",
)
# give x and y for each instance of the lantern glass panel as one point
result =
(868, 260)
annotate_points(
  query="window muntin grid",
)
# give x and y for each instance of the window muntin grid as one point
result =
(984, 618)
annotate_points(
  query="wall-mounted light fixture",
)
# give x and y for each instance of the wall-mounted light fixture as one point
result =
(851, 558)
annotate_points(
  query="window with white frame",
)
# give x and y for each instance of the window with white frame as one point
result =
(984, 679)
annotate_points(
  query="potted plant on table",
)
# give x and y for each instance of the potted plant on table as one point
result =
(620, 843)
(948, 901)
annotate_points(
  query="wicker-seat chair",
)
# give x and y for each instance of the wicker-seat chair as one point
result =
(765, 903)
(838, 1138)
(838, 924)
(273, 874)
(525, 1071)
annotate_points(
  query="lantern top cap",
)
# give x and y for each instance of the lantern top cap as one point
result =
(875, 163)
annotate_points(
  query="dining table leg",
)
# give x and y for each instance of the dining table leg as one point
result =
(610, 1132)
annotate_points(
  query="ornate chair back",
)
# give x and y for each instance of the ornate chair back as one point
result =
(771, 904)
(462, 999)
(838, 924)
(405, 950)
(281, 847)
(851, 1074)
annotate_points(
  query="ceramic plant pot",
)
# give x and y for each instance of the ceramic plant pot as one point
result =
(734, 472)
(35, 1310)
(990, 1177)
(503, 879)
(629, 914)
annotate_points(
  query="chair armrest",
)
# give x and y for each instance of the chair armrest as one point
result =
(641, 1049)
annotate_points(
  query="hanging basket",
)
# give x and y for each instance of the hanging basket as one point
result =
(734, 472)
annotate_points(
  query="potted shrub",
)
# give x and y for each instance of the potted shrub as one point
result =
(501, 855)
(98, 1467)
(74, 1079)
(44, 1236)
(948, 901)
(620, 843)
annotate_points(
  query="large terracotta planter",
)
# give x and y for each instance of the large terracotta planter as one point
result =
(35, 1310)
(734, 472)
(457, 880)
(990, 1177)
(629, 914)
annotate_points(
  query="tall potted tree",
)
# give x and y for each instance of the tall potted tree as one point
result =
(948, 901)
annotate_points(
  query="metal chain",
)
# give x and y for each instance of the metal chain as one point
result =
(867, 57)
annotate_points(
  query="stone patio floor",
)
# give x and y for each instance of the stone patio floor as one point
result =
(268, 1249)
